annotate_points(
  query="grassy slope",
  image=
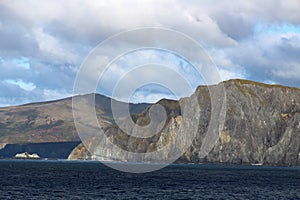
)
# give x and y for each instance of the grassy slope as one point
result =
(48, 121)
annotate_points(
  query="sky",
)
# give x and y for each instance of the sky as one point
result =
(43, 44)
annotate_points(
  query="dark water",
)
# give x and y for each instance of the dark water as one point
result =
(92, 180)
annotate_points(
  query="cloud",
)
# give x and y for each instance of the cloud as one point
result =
(11, 93)
(270, 56)
(258, 40)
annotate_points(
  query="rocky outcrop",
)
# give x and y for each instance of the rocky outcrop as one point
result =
(261, 125)
(80, 153)
(26, 155)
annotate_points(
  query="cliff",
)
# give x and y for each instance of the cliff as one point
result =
(261, 125)
(253, 123)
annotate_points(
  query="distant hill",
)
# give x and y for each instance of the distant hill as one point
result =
(49, 122)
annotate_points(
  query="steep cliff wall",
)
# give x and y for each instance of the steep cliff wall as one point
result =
(262, 126)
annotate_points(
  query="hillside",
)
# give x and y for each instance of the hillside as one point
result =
(48, 122)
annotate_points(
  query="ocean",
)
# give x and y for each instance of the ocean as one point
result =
(40, 179)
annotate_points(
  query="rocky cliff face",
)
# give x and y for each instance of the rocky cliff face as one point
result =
(261, 126)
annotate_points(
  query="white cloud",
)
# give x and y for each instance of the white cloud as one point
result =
(256, 39)
(54, 94)
(269, 55)
(146, 96)
(27, 86)
(52, 48)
